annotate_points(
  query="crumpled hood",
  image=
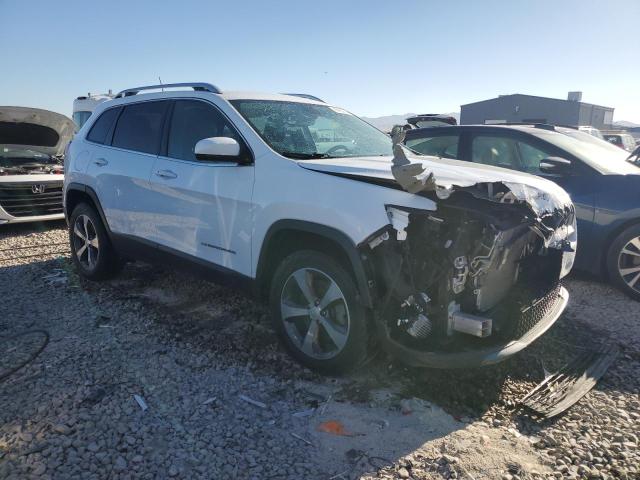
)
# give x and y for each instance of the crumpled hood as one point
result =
(447, 173)
(35, 129)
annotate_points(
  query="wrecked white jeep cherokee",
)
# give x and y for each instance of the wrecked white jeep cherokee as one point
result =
(353, 240)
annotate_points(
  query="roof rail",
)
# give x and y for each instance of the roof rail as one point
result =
(542, 126)
(197, 86)
(305, 95)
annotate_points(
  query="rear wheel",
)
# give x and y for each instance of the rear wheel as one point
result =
(91, 249)
(316, 313)
(623, 261)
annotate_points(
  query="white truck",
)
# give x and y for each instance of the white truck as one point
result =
(84, 106)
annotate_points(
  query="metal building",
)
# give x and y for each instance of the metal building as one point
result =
(532, 109)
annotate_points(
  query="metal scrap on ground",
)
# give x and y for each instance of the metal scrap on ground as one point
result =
(561, 390)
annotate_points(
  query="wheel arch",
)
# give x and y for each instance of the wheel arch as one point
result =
(77, 193)
(610, 238)
(287, 236)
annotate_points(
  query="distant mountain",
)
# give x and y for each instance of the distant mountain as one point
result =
(625, 124)
(387, 122)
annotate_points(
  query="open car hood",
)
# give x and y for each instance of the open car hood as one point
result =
(35, 129)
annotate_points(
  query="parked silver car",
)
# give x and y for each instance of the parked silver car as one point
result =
(32, 144)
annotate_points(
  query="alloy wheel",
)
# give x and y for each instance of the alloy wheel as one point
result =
(85, 242)
(629, 263)
(315, 313)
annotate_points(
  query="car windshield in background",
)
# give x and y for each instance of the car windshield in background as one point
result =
(596, 153)
(309, 131)
(11, 156)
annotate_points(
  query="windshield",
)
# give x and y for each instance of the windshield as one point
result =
(596, 153)
(307, 131)
(11, 156)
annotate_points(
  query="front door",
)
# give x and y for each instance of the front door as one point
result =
(206, 205)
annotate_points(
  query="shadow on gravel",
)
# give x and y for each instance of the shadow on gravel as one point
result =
(195, 318)
(22, 229)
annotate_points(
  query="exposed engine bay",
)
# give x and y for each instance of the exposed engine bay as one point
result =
(56, 167)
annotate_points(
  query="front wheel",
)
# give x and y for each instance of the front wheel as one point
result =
(623, 261)
(315, 312)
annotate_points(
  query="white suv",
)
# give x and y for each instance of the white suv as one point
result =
(341, 229)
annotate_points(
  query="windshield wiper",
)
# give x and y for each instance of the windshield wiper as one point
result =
(305, 156)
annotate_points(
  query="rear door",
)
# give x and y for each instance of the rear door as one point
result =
(204, 207)
(122, 169)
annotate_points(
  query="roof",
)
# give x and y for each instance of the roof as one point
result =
(538, 97)
(238, 95)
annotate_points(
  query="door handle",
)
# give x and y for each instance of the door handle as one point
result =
(101, 162)
(166, 174)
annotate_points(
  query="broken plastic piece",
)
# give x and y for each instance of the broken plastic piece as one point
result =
(253, 402)
(563, 389)
(304, 413)
(141, 402)
(399, 221)
(333, 427)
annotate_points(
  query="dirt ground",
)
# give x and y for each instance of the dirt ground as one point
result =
(157, 374)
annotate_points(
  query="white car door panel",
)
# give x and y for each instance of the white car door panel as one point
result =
(122, 170)
(204, 208)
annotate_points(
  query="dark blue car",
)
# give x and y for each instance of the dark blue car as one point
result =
(605, 188)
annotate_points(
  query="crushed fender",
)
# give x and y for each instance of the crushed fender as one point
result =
(563, 389)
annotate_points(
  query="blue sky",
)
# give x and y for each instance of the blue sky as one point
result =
(372, 57)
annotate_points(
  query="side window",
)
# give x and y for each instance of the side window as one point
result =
(191, 122)
(530, 158)
(139, 127)
(101, 127)
(496, 151)
(445, 146)
(507, 153)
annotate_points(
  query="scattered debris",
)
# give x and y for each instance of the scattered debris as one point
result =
(59, 276)
(141, 402)
(563, 389)
(253, 402)
(101, 321)
(295, 435)
(304, 413)
(335, 428)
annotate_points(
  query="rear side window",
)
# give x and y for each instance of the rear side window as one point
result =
(193, 121)
(507, 153)
(139, 127)
(102, 125)
(445, 146)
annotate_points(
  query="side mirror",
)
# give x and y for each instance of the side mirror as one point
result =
(555, 165)
(218, 149)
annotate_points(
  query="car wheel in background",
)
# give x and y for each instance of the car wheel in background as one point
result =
(91, 250)
(315, 312)
(623, 261)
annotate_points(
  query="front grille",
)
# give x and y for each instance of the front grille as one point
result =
(523, 309)
(26, 200)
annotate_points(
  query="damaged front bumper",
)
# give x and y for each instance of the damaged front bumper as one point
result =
(482, 354)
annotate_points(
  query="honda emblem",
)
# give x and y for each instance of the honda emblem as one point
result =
(38, 188)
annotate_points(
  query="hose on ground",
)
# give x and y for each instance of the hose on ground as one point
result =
(31, 358)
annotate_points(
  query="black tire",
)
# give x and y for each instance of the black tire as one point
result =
(618, 262)
(354, 352)
(106, 262)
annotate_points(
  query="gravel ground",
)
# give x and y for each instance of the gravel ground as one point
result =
(160, 375)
